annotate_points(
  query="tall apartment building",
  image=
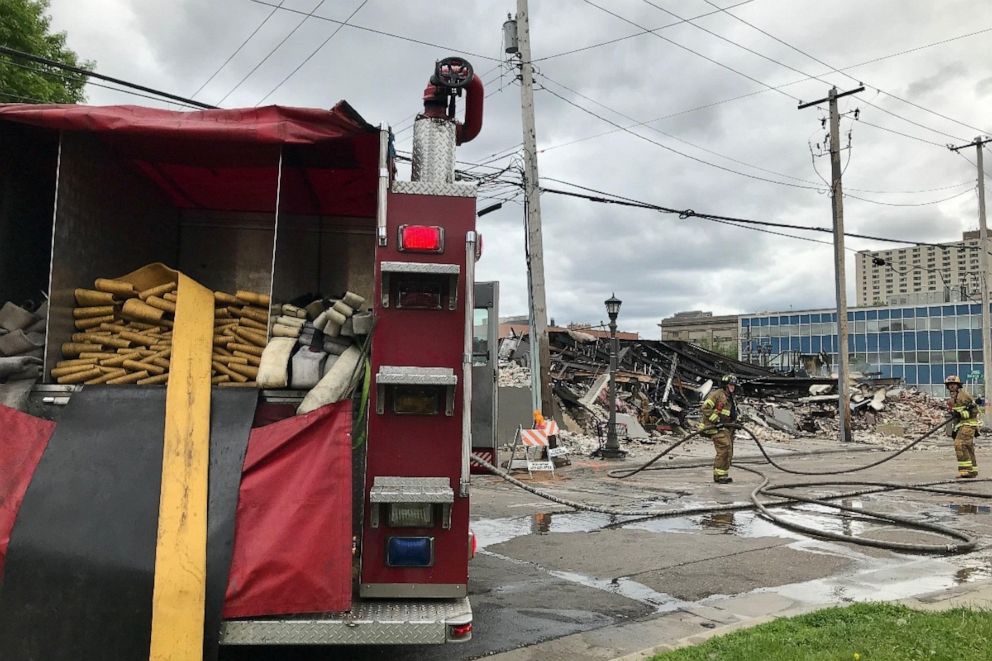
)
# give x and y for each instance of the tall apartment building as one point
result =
(949, 272)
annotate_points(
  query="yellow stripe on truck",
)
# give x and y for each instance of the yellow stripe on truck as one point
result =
(181, 549)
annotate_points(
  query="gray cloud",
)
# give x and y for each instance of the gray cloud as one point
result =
(943, 77)
(657, 264)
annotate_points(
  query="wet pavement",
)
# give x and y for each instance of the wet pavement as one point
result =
(552, 583)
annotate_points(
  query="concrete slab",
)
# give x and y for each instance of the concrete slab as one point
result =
(634, 429)
(742, 571)
(626, 552)
(612, 642)
(974, 595)
(756, 604)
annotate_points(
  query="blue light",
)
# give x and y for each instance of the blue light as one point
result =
(410, 551)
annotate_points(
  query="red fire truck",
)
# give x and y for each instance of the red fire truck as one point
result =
(345, 525)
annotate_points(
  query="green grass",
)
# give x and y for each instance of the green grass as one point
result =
(873, 632)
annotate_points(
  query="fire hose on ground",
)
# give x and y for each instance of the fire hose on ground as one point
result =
(786, 497)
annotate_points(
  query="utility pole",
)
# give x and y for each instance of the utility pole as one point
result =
(840, 275)
(984, 268)
(535, 243)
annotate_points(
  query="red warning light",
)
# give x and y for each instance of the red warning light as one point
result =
(421, 238)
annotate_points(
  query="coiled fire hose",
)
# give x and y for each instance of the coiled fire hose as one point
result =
(962, 541)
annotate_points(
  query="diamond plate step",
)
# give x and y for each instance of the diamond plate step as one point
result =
(371, 622)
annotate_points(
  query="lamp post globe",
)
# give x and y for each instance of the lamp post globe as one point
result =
(613, 307)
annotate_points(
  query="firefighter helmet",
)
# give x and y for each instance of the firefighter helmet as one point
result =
(953, 378)
(730, 379)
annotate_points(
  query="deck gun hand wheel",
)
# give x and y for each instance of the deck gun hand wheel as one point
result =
(452, 72)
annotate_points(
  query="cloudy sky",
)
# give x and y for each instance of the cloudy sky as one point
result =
(701, 127)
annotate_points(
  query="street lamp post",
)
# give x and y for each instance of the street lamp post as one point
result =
(612, 449)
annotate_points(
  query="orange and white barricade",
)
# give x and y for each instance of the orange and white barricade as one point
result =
(536, 440)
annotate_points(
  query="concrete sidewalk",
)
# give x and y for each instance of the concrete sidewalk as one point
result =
(696, 624)
(974, 595)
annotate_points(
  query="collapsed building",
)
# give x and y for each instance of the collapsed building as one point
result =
(660, 385)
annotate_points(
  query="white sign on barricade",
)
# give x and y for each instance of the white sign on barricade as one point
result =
(535, 439)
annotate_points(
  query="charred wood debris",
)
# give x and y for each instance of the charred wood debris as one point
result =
(660, 385)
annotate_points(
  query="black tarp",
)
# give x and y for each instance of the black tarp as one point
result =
(80, 566)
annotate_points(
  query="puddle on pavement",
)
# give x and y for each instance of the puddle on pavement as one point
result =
(749, 524)
(875, 580)
(624, 587)
(891, 578)
(741, 523)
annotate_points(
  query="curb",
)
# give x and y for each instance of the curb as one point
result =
(954, 597)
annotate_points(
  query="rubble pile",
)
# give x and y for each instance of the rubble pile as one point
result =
(660, 385)
(578, 443)
(513, 375)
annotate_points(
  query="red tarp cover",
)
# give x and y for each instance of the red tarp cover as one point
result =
(267, 125)
(292, 545)
(292, 536)
(229, 160)
(24, 440)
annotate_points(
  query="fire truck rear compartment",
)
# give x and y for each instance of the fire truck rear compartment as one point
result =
(261, 221)
(255, 219)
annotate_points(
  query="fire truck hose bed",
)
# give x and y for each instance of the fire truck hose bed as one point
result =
(784, 496)
(125, 326)
(88, 520)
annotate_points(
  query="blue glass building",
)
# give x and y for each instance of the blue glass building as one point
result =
(919, 344)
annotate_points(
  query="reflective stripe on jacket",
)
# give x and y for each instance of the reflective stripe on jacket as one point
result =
(717, 408)
(964, 405)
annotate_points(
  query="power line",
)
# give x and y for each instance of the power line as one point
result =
(819, 61)
(806, 77)
(909, 204)
(696, 53)
(743, 222)
(237, 50)
(673, 137)
(315, 51)
(973, 164)
(603, 197)
(789, 84)
(721, 167)
(676, 151)
(274, 49)
(900, 133)
(687, 213)
(609, 42)
(17, 97)
(794, 69)
(92, 74)
(381, 32)
(56, 74)
(785, 234)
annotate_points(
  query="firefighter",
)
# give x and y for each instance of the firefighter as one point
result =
(964, 410)
(720, 408)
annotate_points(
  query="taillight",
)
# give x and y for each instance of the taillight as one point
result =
(456, 631)
(421, 238)
(473, 545)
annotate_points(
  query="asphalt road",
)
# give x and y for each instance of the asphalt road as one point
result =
(552, 583)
